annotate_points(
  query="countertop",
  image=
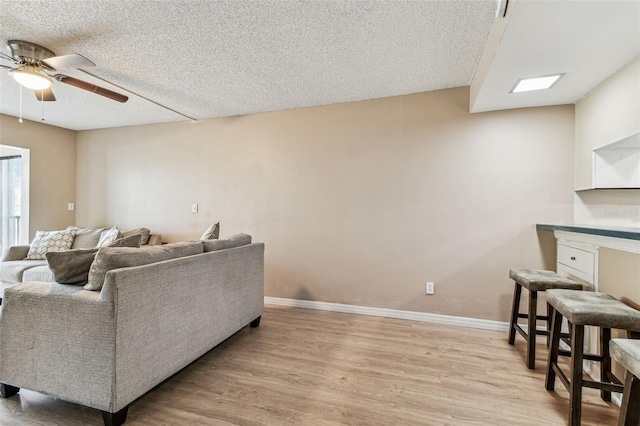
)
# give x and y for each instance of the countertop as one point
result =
(606, 231)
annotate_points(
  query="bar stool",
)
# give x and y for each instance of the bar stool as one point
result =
(582, 308)
(627, 353)
(534, 280)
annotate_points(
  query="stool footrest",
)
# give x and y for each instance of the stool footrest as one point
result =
(609, 387)
(538, 317)
(590, 357)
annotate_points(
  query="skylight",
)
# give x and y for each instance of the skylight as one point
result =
(536, 83)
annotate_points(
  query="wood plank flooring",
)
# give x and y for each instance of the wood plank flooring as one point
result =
(306, 367)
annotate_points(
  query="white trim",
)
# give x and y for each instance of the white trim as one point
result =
(623, 244)
(390, 313)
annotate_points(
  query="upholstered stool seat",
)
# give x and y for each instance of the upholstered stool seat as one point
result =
(582, 308)
(534, 280)
(627, 353)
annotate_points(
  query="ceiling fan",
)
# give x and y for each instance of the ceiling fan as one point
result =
(35, 68)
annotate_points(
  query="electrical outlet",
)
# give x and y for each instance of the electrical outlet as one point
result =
(194, 208)
(71, 207)
(430, 287)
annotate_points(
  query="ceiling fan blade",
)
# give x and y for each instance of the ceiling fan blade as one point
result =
(7, 67)
(91, 88)
(7, 57)
(67, 62)
(45, 95)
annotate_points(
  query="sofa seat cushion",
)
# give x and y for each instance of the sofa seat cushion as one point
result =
(109, 258)
(39, 273)
(13, 271)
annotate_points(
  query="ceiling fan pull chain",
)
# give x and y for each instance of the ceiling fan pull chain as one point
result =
(20, 120)
(42, 102)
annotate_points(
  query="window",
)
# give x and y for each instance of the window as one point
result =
(14, 198)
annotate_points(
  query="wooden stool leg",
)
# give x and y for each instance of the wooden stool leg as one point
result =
(575, 390)
(630, 408)
(531, 330)
(515, 308)
(556, 323)
(549, 309)
(605, 366)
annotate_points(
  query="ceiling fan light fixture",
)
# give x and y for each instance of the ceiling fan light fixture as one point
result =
(31, 78)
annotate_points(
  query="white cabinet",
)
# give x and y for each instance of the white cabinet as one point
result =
(578, 260)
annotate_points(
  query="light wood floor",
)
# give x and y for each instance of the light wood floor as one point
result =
(305, 367)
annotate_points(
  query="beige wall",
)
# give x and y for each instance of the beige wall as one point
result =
(609, 113)
(52, 171)
(358, 203)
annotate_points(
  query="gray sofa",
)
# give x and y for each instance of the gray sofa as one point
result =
(104, 349)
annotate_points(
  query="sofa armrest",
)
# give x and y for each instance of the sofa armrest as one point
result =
(59, 340)
(155, 240)
(14, 253)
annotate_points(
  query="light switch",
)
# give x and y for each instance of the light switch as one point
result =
(194, 208)
(71, 207)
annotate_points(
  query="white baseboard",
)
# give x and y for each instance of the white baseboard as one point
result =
(390, 313)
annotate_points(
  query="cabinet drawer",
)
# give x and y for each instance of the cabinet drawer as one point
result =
(577, 259)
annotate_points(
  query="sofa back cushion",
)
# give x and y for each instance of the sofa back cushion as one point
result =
(109, 258)
(44, 242)
(235, 240)
(86, 238)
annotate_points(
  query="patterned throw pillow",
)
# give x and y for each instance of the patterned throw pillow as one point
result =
(46, 242)
(108, 236)
(212, 233)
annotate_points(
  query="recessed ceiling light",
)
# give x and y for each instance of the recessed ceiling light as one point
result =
(536, 83)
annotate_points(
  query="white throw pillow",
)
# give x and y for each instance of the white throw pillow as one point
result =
(108, 236)
(45, 242)
(212, 232)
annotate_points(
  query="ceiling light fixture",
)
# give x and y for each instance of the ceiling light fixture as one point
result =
(30, 77)
(536, 83)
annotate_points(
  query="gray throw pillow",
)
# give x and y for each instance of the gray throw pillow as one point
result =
(212, 232)
(109, 258)
(131, 241)
(143, 232)
(235, 240)
(71, 266)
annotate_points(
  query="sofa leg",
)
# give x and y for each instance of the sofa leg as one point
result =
(255, 322)
(115, 419)
(7, 391)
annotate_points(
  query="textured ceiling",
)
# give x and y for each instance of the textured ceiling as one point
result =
(223, 58)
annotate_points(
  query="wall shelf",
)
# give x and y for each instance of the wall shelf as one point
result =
(617, 165)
